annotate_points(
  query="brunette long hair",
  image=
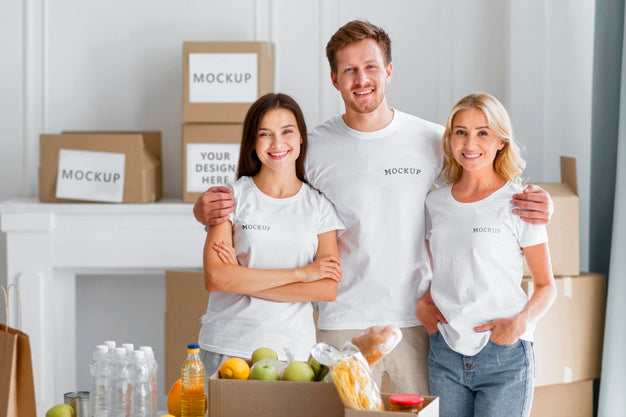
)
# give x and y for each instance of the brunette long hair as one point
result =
(249, 162)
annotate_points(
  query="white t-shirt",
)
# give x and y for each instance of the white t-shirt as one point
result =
(377, 182)
(268, 233)
(478, 263)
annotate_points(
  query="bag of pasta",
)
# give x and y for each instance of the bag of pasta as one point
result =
(354, 381)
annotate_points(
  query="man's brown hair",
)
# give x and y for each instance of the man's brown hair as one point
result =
(354, 31)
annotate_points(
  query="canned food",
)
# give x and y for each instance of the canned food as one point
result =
(79, 401)
(322, 355)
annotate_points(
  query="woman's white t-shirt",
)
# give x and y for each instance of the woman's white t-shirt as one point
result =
(268, 233)
(478, 263)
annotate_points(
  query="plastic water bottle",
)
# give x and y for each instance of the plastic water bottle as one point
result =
(193, 400)
(153, 369)
(129, 358)
(118, 406)
(100, 370)
(140, 402)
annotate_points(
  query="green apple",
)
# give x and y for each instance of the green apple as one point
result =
(298, 371)
(263, 353)
(60, 410)
(264, 371)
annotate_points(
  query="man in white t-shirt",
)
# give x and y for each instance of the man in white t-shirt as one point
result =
(376, 165)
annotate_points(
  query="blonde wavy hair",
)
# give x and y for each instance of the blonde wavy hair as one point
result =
(508, 163)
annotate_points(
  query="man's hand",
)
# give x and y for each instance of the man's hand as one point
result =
(214, 205)
(428, 313)
(535, 204)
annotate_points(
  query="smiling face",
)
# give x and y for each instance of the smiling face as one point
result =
(474, 146)
(362, 76)
(278, 140)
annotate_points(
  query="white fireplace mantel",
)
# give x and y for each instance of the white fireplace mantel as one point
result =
(48, 244)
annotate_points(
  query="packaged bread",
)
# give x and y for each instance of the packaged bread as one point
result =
(377, 341)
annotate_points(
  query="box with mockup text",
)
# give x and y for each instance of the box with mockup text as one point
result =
(210, 156)
(563, 229)
(222, 79)
(569, 337)
(114, 167)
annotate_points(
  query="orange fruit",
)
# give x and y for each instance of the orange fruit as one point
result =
(235, 368)
(173, 398)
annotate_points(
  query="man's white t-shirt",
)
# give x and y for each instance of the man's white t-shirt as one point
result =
(478, 263)
(377, 182)
(268, 233)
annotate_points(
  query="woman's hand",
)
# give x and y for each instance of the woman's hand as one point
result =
(226, 252)
(428, 314)
(505, 331)
(324, 267)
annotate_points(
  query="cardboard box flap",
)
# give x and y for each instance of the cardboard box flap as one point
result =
(151, 138)
(568, 172)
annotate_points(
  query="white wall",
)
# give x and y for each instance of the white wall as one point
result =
(87, 64)
(550, 84)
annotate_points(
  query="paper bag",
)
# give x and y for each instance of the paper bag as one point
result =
(17, 390)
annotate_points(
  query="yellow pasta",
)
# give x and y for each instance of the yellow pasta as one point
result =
(355, 385)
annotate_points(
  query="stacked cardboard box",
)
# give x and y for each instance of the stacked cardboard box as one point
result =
(563, 229)
(185, 302)
(116, 167)
(568, 339)
(220, 82)
(571, 400)
(568, 346)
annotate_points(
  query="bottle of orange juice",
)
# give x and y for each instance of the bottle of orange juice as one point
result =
(193, 400)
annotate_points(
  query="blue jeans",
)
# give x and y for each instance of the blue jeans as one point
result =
(496, 382)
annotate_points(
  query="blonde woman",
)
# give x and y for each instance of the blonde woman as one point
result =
(480, 360)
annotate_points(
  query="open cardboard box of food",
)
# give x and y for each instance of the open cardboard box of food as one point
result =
(244, 398)
(431, 409)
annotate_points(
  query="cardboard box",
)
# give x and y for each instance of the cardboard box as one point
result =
(222, 79)
(563, 229)
(245, 398)
(141, 152)
(431, 409)
(210, 156)
(571, 400)
(185, 302)
(568, 339)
